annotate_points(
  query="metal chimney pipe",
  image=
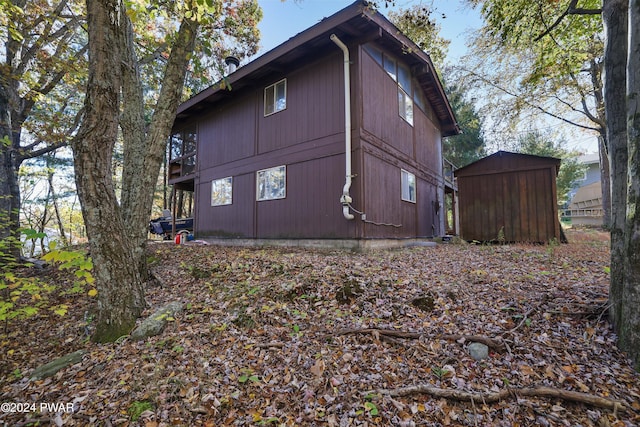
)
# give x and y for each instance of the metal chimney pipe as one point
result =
(232, 63)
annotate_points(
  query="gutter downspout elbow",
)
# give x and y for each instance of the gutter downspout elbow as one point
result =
(346, 199)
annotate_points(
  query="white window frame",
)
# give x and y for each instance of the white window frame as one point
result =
(271, 105)
(405, 106)
(222, 191)
(267, 185)
(407, 184)
(401, 74)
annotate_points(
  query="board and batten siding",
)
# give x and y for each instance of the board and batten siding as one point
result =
(511, 196)
(315, 106)
(390, 144)
(236, 140)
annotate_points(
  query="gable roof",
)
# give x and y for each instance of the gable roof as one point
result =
(506, 161)
(358, 22)
(589, 159)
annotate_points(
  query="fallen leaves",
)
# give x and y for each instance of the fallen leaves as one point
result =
(291, 337)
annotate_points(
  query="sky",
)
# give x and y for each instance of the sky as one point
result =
(284, 19)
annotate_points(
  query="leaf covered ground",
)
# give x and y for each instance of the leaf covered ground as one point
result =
(296, 337)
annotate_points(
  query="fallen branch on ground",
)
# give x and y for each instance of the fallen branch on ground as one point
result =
(492, 397)
(496, 344)
(273, 344)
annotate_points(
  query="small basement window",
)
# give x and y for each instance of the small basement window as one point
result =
(271, 183)
(222, 191)
(275, 97)
(408, 186)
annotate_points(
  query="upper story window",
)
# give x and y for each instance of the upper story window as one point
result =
(405, 106)
(404, 78)
(275, 97)
(408, 93)
(271, 183)
(182, 152)
(390, 66)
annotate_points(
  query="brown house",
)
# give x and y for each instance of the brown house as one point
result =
(511, 197)
(335, 134)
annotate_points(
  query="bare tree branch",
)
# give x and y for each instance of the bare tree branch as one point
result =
(529, 104)
(571, 10)
(490, 397)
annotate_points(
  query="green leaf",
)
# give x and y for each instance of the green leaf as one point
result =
(61, 310)
(371, 408)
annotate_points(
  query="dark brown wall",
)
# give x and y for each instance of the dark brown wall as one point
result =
(308, 137)
(510, 192)
(315, 106)
(390, 144)
(312, 207)
(235, 220)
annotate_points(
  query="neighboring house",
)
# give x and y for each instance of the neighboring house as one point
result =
(509, 197)
(585, 206)
(271, 154)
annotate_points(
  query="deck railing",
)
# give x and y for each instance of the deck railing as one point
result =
(582, 212)
(447, 171)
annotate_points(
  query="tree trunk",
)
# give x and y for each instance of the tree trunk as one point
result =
(629, 328)
(9, 188)
(120, 291)
(614, 16)
(144, 151)
(42, 225)
(56, 209)
(134, 128)
(605, 181)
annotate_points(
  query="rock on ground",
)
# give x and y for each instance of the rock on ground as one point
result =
(155, 323)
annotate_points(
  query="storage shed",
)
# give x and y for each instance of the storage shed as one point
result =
(510, 197)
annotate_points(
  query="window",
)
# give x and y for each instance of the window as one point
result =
(404, 78)
(271, 183)
(408, 93)
(405, 106)
(390, 67)
(176, 145)
(222, 191)
(182, 153)
(375, 53)
(275, 97)
(418, 98)
(408, 186)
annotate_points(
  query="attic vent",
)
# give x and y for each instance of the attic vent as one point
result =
(232, 63)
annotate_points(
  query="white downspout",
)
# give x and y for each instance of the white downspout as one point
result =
(345, 199)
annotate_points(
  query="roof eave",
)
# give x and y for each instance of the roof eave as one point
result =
(427, 75)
